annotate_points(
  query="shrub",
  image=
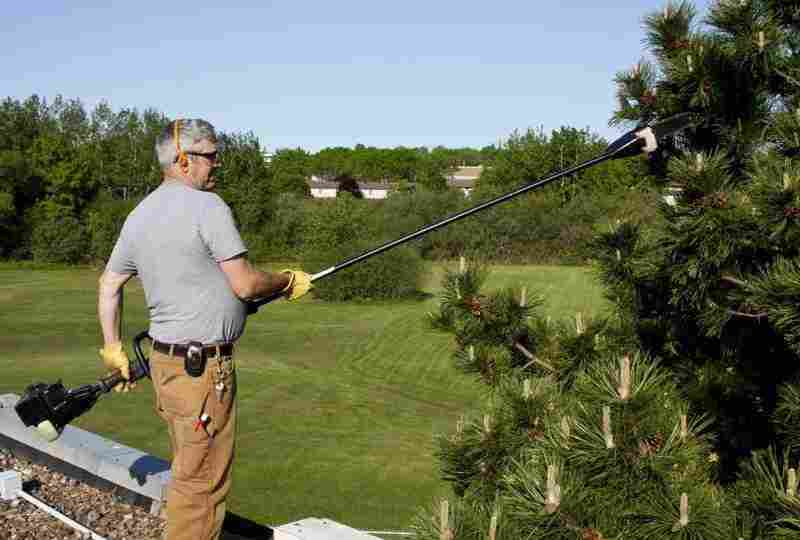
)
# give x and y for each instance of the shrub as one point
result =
(105, 219)
(391, 275)
(403, 213)
(282, 237)
(58, 236)
(336, 221)
(342, 228)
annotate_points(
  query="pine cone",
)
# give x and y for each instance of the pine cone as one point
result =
(535, 434)
(591, 534)
(489, 371)
(750, 309)
(474, 305)
(716, 200)
(791, 212)
(487, 470)
(650, 445)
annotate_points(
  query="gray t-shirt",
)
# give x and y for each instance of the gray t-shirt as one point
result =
(174, 240)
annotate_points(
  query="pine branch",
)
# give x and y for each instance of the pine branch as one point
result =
(533, 359)
(756, 316)
(734, 281)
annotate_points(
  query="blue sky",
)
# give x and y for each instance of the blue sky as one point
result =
(334, 73)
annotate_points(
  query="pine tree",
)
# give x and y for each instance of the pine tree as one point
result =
(713, 290)
(707, 291)
(677, 417)
(582, 436)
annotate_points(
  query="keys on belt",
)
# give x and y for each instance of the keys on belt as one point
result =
(222, 370)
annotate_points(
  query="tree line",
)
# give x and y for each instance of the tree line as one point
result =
(69, 175)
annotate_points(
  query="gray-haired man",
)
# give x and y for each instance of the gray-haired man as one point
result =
(182, 242)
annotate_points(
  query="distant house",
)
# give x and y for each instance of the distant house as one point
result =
(326, 189)
(464, 178)
(372, 190)
(322, 189)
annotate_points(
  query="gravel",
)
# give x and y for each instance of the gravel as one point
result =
(97, 510)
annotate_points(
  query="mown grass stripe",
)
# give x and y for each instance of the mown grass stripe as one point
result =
(339, 403)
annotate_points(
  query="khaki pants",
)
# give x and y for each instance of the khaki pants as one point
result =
(202, 455)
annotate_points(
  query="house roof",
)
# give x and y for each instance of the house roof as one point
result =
(461, 183)
(375, 185)
(315, 183)
(321, 184)
(464, 177)
(470, 172)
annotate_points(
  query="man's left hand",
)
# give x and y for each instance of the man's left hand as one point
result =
(299, 284)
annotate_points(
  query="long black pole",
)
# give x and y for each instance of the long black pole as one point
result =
(255, 304)
(630, 144)
(460, 215)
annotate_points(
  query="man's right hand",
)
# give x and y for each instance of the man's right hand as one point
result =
(114, 357)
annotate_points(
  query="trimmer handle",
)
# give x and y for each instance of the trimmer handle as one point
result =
(110, 381)
(253, 305)
(139, 366)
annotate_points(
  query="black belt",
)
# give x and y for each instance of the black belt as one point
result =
(209, 351)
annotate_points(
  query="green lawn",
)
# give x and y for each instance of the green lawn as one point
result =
(339, 403)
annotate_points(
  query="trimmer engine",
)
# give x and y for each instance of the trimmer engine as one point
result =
(50, 407)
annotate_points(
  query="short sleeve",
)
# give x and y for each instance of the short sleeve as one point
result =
(122, 259)
(220, 234)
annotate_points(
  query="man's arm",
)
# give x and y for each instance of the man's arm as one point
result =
(248, 283)
(109, 304)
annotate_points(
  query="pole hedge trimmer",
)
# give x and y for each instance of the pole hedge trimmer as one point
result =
(50, 407)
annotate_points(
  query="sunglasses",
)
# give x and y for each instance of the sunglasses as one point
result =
(210, 156)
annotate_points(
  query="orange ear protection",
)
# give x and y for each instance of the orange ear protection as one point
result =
(183, 160)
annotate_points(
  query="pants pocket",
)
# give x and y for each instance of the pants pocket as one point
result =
(192, 446)
(178, 394)
(180, 400)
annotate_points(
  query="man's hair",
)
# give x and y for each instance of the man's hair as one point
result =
(191, 131)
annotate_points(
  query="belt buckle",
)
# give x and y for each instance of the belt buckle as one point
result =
(195, 361)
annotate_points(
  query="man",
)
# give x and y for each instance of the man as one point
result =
(182, 242)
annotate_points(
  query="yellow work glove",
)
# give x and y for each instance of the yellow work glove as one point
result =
(299, 284)
(114, 357)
